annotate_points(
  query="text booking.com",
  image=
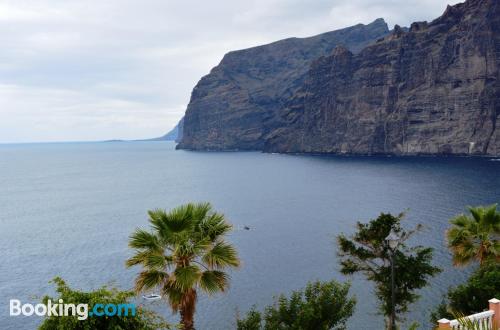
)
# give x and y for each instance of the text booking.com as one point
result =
(81, 311)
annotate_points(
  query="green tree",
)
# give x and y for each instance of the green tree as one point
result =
(143, 319)
(472, 296)
(320, 306)
(475, 237)
(367, 252)
(184, 252)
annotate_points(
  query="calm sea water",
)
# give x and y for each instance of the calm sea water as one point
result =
(68, 209)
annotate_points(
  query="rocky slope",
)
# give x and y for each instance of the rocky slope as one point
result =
(432, 90)
(238, 104)
(175, 134)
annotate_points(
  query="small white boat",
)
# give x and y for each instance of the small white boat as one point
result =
(151, 297)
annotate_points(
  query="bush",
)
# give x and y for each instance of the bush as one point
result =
(322, 305)
(471, 297)
(143, 320)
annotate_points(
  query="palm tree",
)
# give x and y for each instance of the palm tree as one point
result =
(475, 237)
(184, 252)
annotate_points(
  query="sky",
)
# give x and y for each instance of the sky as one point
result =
(85, 70)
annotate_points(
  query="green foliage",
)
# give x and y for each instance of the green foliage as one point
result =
(253, 320)
(143, 320)
(184, 252)
(320, 306)
(367, 252)
(471, 297)
(476, 237)
(414, 326)
(441, 311)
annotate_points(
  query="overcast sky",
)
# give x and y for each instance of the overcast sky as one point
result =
(124, 69)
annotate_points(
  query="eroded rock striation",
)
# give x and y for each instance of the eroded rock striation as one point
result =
(432, 89)
(237, 104)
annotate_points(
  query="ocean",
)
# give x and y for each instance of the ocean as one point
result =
(67, 209)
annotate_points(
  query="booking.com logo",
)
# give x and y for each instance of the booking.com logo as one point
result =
(62, 309)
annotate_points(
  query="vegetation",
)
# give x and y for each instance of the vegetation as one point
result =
(367, 252)
(184, 252)
(320, 306)
(468, 324)
(475, 237)
(143, 320)
(414, 326)
(471, 297)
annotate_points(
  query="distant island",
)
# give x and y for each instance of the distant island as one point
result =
(175, 134)
(432, 89)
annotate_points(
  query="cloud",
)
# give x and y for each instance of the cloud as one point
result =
(44, 114)
(91, 70)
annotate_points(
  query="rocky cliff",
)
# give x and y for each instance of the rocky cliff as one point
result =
(237, 105)
(432, 90)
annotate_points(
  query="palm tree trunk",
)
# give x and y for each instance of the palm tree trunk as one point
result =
(187, 321)
(389, 323)
(187, 309)
(481, 255)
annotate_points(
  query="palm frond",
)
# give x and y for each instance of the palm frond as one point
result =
(201, 211)
(149, 279)
(141, 239)
(186, 277)
(469, 323)
(474, 237)
(221, 255)
(456, 236)
(491, 216)
(180, 218)
(157, 219)
(477, 213)
(150, 260)
(173, 294)
(461, 221)
(214, 226)
(188, 249)
(213, 281)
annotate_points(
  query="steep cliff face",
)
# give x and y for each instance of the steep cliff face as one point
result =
(238, 104)
(432, 90)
